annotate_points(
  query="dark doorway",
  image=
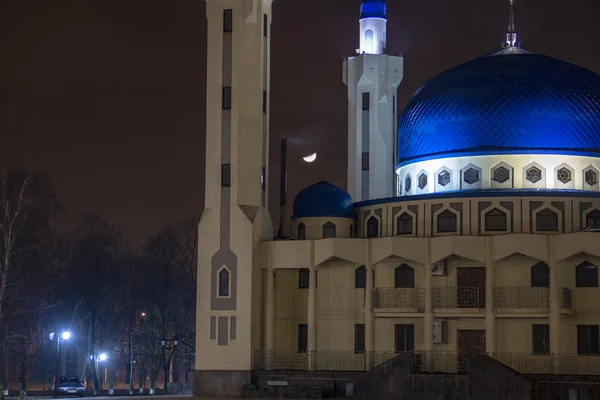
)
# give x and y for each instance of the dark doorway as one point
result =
(469, 342)
(470, 292)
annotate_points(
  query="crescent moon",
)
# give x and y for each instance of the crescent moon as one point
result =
(310, 158)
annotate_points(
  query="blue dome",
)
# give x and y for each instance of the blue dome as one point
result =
(372, 9)
(503, 103)
(323, 200)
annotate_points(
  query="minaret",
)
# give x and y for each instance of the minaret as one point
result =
(235, 218)
(372, 78)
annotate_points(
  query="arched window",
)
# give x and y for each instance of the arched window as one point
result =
(301, 232)
(546, 220)
(404, 277)
(328, 230)
(446, 221)
(540, 275)
(495, 220)
(372, 227)
(360, 277)
(369, 41)
(224, 282)
(303, 278)
(592, 220)
(404, 224)
(586, 275)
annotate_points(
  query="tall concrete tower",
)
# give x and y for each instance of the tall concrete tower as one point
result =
(235, 218)
(372, 78)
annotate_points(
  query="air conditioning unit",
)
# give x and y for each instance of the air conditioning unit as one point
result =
(439, 268)
(439, 331)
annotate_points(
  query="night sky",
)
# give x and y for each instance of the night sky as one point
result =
(107, 97)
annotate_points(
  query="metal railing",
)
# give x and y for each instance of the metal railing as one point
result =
(529, 297)
(521, 297)
(565, 298)
(448, 362)
(399, 298)
(457, 297)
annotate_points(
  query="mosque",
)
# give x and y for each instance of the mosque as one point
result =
(469, 225)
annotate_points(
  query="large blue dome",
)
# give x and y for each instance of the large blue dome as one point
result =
(503, 103)
(323, 200)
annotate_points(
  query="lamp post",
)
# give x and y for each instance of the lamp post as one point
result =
(63, 336)
(137, 320)
(163, 343)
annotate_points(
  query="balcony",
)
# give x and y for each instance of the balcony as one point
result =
(458, 297)
(405, 299)
(529, 300)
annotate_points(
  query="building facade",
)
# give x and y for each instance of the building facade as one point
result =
(489, 244)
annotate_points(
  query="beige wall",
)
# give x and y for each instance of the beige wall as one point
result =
(314, 227)
(340, 305)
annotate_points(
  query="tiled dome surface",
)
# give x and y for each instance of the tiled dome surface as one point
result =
(372, 9)
(323, 200)
(503, 103)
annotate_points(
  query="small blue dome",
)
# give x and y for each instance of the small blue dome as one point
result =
(323, 200)
(503, 103)
(372, 9)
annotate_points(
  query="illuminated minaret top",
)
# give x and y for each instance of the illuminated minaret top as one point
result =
(373, 23)
(511, 36)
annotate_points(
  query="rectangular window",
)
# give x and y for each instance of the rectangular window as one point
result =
(540, 336)
(226, 175)
(365, 161)
(365, 101)
(227, 98)
(303, 278)
(264, 101)
(586, 275)
(302, 338)
(359, 338)
(227, 20)
(588, 340)
(404, 336)
(265, 25)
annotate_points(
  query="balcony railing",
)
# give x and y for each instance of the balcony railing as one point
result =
(459, 297)
(449, 362)
(529, 297)
(399, 298)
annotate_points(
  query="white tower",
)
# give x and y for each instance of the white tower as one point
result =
(372, 78)
(235, 218)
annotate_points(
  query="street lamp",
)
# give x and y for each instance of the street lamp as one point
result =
(66, 335)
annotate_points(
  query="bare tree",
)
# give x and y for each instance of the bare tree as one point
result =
(97, 248)
(26, 203)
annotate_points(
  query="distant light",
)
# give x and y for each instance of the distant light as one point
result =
(102, 357)
(310, 158)
(143, 314)
(66, 335)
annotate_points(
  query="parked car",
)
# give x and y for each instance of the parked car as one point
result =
(70, 385)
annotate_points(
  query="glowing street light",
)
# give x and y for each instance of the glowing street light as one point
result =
(66, 335)
(102, 357)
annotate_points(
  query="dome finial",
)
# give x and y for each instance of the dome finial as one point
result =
(511, 36)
